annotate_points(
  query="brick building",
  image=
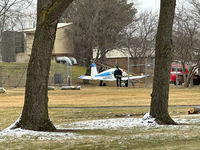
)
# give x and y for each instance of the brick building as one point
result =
(120, 58)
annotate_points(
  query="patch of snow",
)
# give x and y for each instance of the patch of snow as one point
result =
(28, 134)
(147, 121)
(13, 125)
(123, 123)
(148, 118)
(189, 116)
(187, 121)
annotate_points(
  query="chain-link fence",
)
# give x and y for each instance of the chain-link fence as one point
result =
(14, 74)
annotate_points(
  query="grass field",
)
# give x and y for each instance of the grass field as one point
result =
(14, 74)
(103, 96)
(96, 101)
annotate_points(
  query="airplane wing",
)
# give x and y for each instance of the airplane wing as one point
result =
(109, 79)
(89, 78)
(97, 78)
(136, 77)
(85, 77)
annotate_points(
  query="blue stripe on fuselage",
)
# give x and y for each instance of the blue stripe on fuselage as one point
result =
(93, 65)
(103, 74)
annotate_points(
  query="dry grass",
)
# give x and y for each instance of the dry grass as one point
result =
(103, 96)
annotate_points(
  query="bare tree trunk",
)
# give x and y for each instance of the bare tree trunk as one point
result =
(159, 100)
(190, 76)
(88, 71)
(35, 112)
(88, 64)
(184, 71)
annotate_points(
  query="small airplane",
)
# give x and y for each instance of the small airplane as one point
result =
(108, 75)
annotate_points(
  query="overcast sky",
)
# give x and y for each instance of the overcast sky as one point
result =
(154, 5)
(148, 4)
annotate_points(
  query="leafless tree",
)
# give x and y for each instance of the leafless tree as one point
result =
(195, 40)
(11, 13)
(185, 33)
(195, 9)
(140, 36)
(97, 25)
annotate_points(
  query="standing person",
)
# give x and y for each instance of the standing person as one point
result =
(118, 76)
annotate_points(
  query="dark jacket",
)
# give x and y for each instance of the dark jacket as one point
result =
(118, 73)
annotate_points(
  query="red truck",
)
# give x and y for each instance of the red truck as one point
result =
(177, 72)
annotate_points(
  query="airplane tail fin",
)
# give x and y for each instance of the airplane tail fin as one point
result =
(93, 70)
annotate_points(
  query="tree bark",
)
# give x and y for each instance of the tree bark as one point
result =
(190, 76)
(163, 57)
(89, 57)
(184, 71)
(35, 111)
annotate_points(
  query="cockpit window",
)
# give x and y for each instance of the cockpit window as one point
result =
(178, 69)
(173, 69)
